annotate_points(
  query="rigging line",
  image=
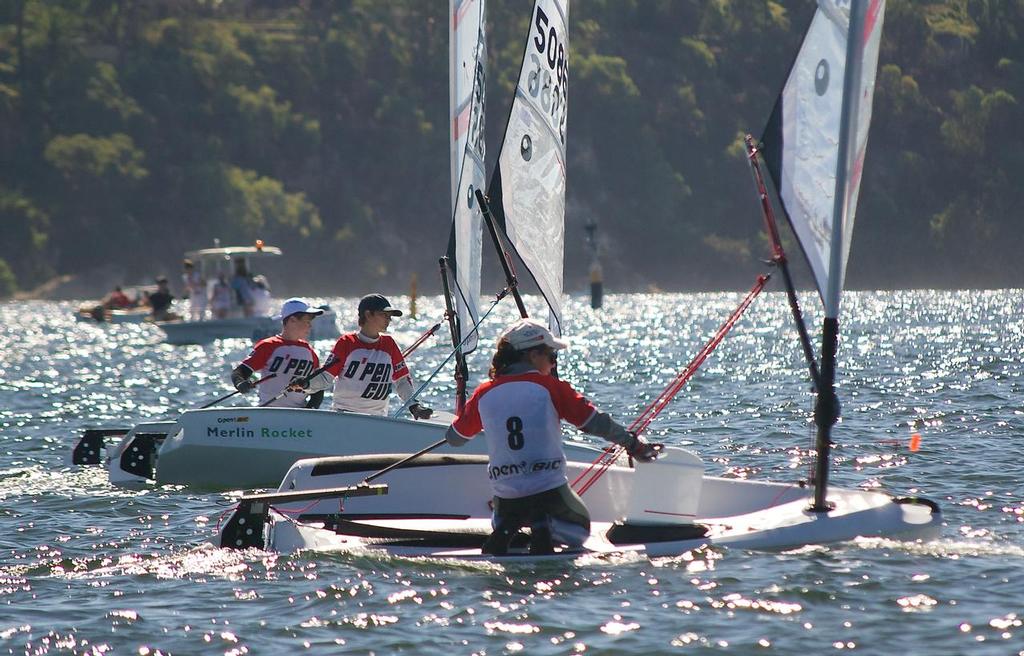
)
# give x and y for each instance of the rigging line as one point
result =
(458, 287)
(228, 396)
(596, 462)
(598, 468)
(605, 460)
(465, 304)
(226, 511)
(779, 259)
(511, 281)
(659, 404)
(455, 328)
(299, 511)
(502, 294)
(422, 338)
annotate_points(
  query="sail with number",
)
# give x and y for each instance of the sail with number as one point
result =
(527, 188)
(816, 138)
(467, 76)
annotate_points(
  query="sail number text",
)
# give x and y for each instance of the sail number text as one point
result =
(548, 80)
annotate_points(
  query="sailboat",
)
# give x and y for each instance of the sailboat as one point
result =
(817, 136)
(263, 443)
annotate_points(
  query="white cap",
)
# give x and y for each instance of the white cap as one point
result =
(297, 306)
(527, 333)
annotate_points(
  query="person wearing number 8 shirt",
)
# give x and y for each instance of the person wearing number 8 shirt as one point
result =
(519, 410)
(366, 366)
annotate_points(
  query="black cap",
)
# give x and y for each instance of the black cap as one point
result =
(377, 303)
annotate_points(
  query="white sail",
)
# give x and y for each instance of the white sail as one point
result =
(527, 190)
(467, 76)
(816, 139)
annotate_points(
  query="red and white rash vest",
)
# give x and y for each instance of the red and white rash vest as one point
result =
(365, 372)
(519, 414)
(289, 359)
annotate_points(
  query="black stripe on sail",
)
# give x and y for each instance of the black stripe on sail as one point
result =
(452, 263)
(771, 143)
(495, 200)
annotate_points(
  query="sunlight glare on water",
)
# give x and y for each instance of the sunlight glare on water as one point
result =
(87, 567)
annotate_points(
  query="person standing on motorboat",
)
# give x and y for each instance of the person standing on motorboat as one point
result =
(367, 365)
(241, 283)
(195, 290)
(288, 356)
(220, 297)
(260, 296)
(519, 410)
(160, 302)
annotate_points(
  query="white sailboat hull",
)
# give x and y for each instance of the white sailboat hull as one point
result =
(254, 328)
(246, 448)
(449, 495)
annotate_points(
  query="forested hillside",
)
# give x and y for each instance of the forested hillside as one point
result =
(133, 131)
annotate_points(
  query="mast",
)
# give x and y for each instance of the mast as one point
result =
(813, 147)
(826, 409)
(461, 370)
(510, 277)
(467, 81)
(779, 259)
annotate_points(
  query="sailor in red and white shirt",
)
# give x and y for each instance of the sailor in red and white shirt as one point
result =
(519, 411)
(367, 366)
(287, 356)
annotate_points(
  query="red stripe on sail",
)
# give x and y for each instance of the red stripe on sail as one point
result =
(460, 13)
(461, 122)
(855, 172)
(870, 19)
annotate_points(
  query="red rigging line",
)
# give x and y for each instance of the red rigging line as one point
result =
(422, 338)
(778, 255)
(597, 468)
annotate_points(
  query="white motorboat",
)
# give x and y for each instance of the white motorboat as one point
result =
(215, 262)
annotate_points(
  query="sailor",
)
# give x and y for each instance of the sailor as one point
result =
(195, 289)
(220, 297)
(519, 410)
(260, 296)
(117, 300)
(287, 356)
(367, 365)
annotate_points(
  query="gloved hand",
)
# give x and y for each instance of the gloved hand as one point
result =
(420, 411)
(642, 450)
(312, 384)
(244, 385)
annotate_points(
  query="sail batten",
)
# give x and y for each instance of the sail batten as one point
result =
(527, 188)
(467, 79)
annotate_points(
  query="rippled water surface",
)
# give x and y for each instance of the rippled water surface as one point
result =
(86, 567)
